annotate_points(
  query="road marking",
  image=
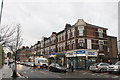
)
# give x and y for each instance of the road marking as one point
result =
(85, 73)
(49, 75)
(107, 76)
(32, 71)
(24, 72)
(92, 74)
(115, 77)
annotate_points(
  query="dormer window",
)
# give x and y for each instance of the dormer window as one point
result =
(81, 30)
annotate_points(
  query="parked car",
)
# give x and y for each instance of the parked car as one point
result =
(56, 68)
(22, 63)
(18, 62)
(30, 64)
(114, 68)
(99, 67)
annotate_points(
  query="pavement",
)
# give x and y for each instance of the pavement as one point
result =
(0, 73)
(6, 72)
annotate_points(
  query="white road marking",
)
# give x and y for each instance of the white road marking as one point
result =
(115, 77)
(92, 74)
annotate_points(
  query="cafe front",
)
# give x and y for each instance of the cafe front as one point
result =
(81, 59)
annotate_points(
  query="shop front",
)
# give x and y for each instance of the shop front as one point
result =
(52, 58)
(81, 59)
(60, 58)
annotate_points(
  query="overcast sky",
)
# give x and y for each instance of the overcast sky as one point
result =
(41, 17)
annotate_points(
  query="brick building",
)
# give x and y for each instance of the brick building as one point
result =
(81, 43)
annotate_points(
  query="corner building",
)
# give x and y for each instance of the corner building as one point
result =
(81, 44)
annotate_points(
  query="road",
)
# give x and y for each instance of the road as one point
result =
(30, 72)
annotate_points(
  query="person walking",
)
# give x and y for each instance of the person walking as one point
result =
(72, 68)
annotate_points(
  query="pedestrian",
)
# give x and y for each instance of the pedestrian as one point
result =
(13, 66)
(72, 69)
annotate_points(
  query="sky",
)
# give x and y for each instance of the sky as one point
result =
(40, 18)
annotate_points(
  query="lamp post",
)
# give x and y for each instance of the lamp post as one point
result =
(1, 12)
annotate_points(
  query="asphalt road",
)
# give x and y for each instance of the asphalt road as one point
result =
(30, 72)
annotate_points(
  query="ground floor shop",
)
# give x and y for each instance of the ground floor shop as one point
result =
(81, 59)
(80, 62)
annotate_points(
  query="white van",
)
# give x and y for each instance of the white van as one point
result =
(41, 62)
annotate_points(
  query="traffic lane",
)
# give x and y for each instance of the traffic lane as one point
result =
(39, 73)
(36, 73)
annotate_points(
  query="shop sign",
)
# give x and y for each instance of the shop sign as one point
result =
(53, 55)
(80, 52)
(92, 53)
(70, 54)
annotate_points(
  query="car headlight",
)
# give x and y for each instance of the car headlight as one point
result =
(116, 67)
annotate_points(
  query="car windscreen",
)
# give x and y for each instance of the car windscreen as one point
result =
(118, 63)
(42, 61)
(57, 65)
(94, 64)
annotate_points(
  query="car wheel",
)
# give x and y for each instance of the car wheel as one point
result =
(102, 70)
(49, 69)
(65, 71)
(93, 71)
(110, 72)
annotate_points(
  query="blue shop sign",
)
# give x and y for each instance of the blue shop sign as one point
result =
(52, 53)
(91, 53)
(80, 52)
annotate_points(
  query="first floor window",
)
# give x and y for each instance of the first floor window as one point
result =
(100, 35)
(73, 44)
(101, 47)
(81, 43)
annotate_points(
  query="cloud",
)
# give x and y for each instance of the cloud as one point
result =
(40, 18)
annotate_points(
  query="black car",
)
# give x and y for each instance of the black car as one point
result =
(56, 68)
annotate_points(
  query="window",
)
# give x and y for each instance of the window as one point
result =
(81, 43)
(68, 34)
(73, 44)
(80, 32)
(68, 45)
(101, 45)
(100, 33)
(73, 32)
(108, 50)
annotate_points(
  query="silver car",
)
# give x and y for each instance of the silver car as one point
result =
(114, 68)
(99, 67)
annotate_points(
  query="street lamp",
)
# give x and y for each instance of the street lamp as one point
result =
(1, 11)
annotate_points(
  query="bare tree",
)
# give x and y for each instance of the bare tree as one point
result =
(15, 46)
(10, 37)
(7, 35)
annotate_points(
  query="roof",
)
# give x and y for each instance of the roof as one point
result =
(94, 26)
